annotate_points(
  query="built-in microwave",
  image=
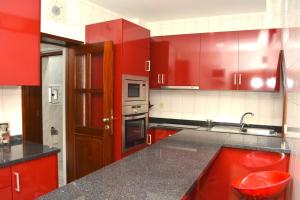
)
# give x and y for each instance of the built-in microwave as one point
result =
(135, 89)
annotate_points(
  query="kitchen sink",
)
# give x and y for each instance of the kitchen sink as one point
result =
(250, 131)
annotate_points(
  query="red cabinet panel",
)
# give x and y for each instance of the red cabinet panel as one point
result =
(159, 51)
(156, 134)
(175, 60)
(34, 178)
(5, 177)
(136, 49)
(20, 42)
(258, 60)
(6, 194)
(219, 61)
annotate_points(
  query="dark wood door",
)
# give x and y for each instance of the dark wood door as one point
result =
(32, 114)
(90, 108)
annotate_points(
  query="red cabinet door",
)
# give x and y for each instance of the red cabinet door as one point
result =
(34, 178)
(219, 61)
(258, 60)
(161, 134)
(175, 60)
(136, 49)
(5, 177)
(5, 193)
(159, 49)
(183, 60)
(20, 42)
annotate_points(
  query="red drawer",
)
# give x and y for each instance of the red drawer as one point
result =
(5, 177)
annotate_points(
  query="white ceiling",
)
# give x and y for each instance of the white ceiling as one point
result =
(156, 10)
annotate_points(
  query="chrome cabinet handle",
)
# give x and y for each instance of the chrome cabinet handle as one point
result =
(162, 78)
(158, 78)
(240, 79)
(148, 65)
(234, 81)
(17, 181)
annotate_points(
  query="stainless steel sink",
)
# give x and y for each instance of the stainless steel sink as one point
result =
(250, 131)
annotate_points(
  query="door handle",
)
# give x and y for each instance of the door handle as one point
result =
(234, 80)
(240, 79)
(17, 175)
(149, 139)
(148, 65)
(162, 78)
(105, 120)
(158, 78)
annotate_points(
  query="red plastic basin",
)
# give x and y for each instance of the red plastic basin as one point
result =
(263, 184)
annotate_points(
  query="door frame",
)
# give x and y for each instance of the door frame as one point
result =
(47, 39)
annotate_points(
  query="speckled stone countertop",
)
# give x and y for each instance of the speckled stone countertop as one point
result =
(12, 154)
(164, 171)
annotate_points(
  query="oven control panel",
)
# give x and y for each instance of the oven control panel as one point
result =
(135, 109)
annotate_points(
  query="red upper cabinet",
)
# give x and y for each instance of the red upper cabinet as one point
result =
(219, 61)
(34, 178)
(136, 49)
(20, 42)
(131, 43)
(159, 50)
(259, 52)
(175, 60)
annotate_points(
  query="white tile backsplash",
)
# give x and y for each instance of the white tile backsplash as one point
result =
(11, 108)
(222, 106)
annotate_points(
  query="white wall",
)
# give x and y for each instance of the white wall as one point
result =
(75, 14)
(11, 108)
(221, 106)
(272, 18)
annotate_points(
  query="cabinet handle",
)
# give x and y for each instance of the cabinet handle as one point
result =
(162, 78)
(149, 139)
(158, 78)
(240, 79)
(17, 181)
(234, 81)
(148, 65)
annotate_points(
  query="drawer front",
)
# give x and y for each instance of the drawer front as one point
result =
(5, 177)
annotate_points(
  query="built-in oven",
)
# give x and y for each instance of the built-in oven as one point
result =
(135, 108)
(134, 130)
(135, 89)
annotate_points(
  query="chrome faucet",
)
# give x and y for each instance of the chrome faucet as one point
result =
(242, 124)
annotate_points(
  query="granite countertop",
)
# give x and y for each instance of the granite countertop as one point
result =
(12, 154)
(165, 170)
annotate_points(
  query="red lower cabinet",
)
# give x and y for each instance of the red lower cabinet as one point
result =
(5, 184)
(156, 134)
(34, 178)
(231, 163)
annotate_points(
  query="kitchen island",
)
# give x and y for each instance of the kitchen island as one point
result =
(166, 170)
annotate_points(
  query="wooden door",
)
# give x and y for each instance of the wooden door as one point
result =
(90, 108)
(32, 115)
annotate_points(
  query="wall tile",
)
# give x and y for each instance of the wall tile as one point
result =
(223, 106)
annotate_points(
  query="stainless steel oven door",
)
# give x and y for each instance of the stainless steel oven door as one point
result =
(134, 130)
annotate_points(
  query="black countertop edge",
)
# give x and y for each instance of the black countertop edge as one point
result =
(278, 129)
(14, 154)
